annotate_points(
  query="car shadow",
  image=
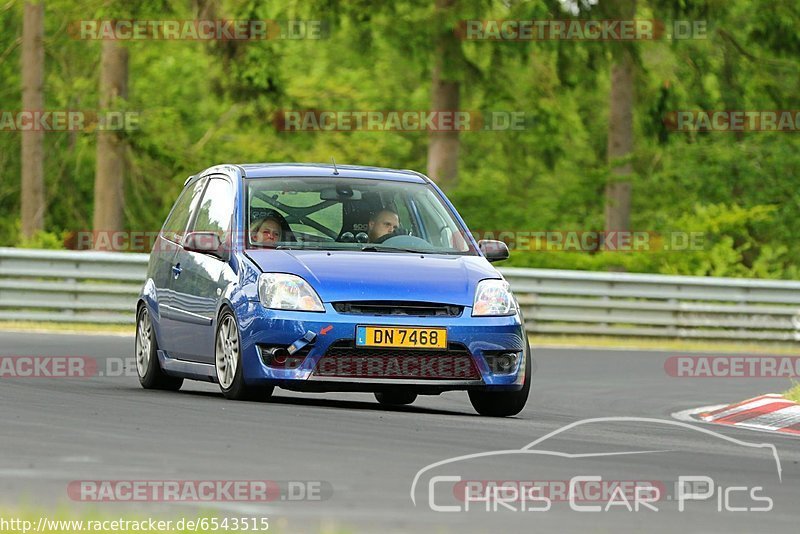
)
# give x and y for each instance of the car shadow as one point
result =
(361, 405)
(334, 403)
(331, 403)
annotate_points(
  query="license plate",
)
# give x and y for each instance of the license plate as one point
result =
(401, 337)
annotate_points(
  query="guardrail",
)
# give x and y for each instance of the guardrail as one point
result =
(101, 287)
(67, 286)
(649, 305)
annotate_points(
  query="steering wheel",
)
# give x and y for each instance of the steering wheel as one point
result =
(397, 232)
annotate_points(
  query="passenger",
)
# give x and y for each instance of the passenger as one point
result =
(269, 230)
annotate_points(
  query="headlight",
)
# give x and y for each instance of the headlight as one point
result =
(493, 298)
(288, 292)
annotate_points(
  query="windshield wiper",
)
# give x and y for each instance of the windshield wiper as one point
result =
(365, 248)
(306, 246)
(373, 248)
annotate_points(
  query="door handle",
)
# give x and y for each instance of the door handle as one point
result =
(176, 270)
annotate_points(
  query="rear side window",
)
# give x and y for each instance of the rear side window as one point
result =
(215, 213)
(327, 216)
(178, 219)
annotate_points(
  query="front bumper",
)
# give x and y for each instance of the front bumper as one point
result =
(477, 337)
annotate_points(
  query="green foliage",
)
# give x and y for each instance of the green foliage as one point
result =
(794, 392)
(205, 103)
(44, 240)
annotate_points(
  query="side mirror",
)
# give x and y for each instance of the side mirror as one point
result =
(204, 242)
(493, 250)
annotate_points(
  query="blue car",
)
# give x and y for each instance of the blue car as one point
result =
(324, 278)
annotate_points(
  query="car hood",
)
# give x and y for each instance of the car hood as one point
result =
(354, 275)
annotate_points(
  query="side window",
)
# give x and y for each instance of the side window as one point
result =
(215, 212)
(441, 228)
(175, 226)
(400, 204)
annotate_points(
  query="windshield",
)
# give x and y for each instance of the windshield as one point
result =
(335, 213)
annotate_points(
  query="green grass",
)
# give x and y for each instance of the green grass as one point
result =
(670, 344)
(78, 328)
(794, 393)
(606, 342)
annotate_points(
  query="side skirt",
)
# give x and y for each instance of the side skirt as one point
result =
(186, 369)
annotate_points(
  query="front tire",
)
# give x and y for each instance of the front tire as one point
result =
(504, 403)
(151, 376)
(395, 398)
(228, 363)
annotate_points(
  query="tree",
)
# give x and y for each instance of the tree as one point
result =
(32, 201)
(445, 96)
(620, 128)
(111, 165)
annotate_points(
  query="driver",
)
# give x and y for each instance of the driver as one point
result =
(382, 223)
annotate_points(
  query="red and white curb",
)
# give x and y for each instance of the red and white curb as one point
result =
(772, 413)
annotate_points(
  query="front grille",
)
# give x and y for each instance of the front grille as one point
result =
(388, 307)
(342, 359)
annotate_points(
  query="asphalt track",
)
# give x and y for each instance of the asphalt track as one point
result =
(57, 430)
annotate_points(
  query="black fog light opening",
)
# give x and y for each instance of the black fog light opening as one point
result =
(277, 356)
(502, 362)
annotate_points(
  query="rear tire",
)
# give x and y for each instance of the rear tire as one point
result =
(228, 363)
(395, 398)
(504, 403)
(151, 376)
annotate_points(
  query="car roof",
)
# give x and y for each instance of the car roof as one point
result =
(277, 170)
